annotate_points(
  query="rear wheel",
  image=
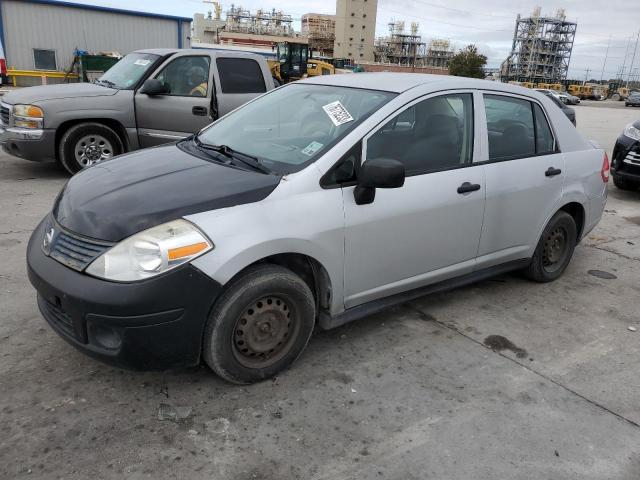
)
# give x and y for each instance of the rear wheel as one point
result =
(623, 184)
(85, 144)
(260, 325)
(555, 249)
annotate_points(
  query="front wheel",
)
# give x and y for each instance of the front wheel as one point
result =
(555, 249)
(260, 325)
(85, 144)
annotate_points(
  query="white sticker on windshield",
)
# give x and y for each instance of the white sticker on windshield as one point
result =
(337, 113)
(312, 148)
(142, 62)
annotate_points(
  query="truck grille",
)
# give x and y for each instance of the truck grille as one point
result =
(4, 115)
(74, 251)
(56, 316)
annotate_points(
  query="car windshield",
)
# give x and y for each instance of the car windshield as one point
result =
(126, 74)
(293, 126)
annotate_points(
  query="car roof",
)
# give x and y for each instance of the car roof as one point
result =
(198, 51)
(401, 82)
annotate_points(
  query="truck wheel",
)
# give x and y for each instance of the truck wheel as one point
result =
(555, 249)
(616, 97)
(84, 144)
(260, 325)
(623, 184)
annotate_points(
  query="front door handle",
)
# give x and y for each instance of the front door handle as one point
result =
(552, 172)
(467, 187)
(200, 111)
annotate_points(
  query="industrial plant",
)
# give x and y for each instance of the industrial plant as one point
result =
(541, 49)
(408, 49)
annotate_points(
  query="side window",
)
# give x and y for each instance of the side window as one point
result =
(510, 127)
(545, 143)
(240, 75)
(432, 135)
(187, 76)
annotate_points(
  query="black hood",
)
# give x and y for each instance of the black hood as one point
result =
(120, 197)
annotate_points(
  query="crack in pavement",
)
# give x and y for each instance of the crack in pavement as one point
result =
(528, 368)
(10, 232)
(621, 255)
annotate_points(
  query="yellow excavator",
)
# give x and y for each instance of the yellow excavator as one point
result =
(293, 62)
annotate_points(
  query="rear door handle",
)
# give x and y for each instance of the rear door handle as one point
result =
(467, 187)
(552, 172)
(201, 111)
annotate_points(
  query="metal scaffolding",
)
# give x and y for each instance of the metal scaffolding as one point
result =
(541, 49)
(321, 31)
(240, 20)
(408, 49)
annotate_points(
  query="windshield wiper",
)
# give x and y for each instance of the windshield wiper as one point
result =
(229, 152)
(108, 83)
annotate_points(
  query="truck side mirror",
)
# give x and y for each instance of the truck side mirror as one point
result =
(153, 86)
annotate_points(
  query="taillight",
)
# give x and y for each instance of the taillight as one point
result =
(604, 173)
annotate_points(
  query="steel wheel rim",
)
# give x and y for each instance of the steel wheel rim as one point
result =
(555, 249)
(91, 149)
(265, 331)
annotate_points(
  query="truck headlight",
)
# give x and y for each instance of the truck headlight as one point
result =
(27, 116)
(151, 252)
(632, 132)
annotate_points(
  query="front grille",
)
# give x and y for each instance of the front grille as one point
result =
(4, 115)
(57, 316)
(632, 158)
(74, 251)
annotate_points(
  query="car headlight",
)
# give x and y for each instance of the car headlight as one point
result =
(151, 252)
(632, 132)
(27, 116)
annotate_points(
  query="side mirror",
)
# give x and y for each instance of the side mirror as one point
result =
(377, 173)
(153, 86)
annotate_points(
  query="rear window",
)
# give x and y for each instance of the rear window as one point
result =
(240, 75)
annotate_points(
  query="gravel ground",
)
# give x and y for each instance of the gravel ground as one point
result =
(412, 393)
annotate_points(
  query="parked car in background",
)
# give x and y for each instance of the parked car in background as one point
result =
(149, 97)
(633, 100)
(625, 162)
(319, 203)
(564, 97)
(555, 98)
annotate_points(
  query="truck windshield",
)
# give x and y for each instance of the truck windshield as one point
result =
(126, 74)
(293, 126)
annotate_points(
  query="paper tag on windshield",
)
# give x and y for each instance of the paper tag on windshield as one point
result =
(337, 113)
(142, 62)
(312, 148)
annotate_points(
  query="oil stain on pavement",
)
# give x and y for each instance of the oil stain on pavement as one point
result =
(498, 343)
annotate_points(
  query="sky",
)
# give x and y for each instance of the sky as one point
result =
(487, 23)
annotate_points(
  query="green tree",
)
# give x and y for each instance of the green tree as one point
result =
(468, 63)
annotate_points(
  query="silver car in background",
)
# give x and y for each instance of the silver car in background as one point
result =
(320, 202)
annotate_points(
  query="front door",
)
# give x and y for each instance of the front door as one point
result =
(429, 229)
(185, 109)
(524, 175)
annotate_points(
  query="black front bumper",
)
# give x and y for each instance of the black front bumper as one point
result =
(155, 324)
(625, 161)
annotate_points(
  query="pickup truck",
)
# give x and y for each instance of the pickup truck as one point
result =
(149, 97)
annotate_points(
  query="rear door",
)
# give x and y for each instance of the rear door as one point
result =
(524, 178)
(185, 109)
(429, 229)
(237, 81)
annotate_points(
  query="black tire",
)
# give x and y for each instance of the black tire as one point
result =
(623, 184)
(73, 137)
(239, 349)
(555, 249)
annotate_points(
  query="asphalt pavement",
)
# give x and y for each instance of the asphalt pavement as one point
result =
(504, 379)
